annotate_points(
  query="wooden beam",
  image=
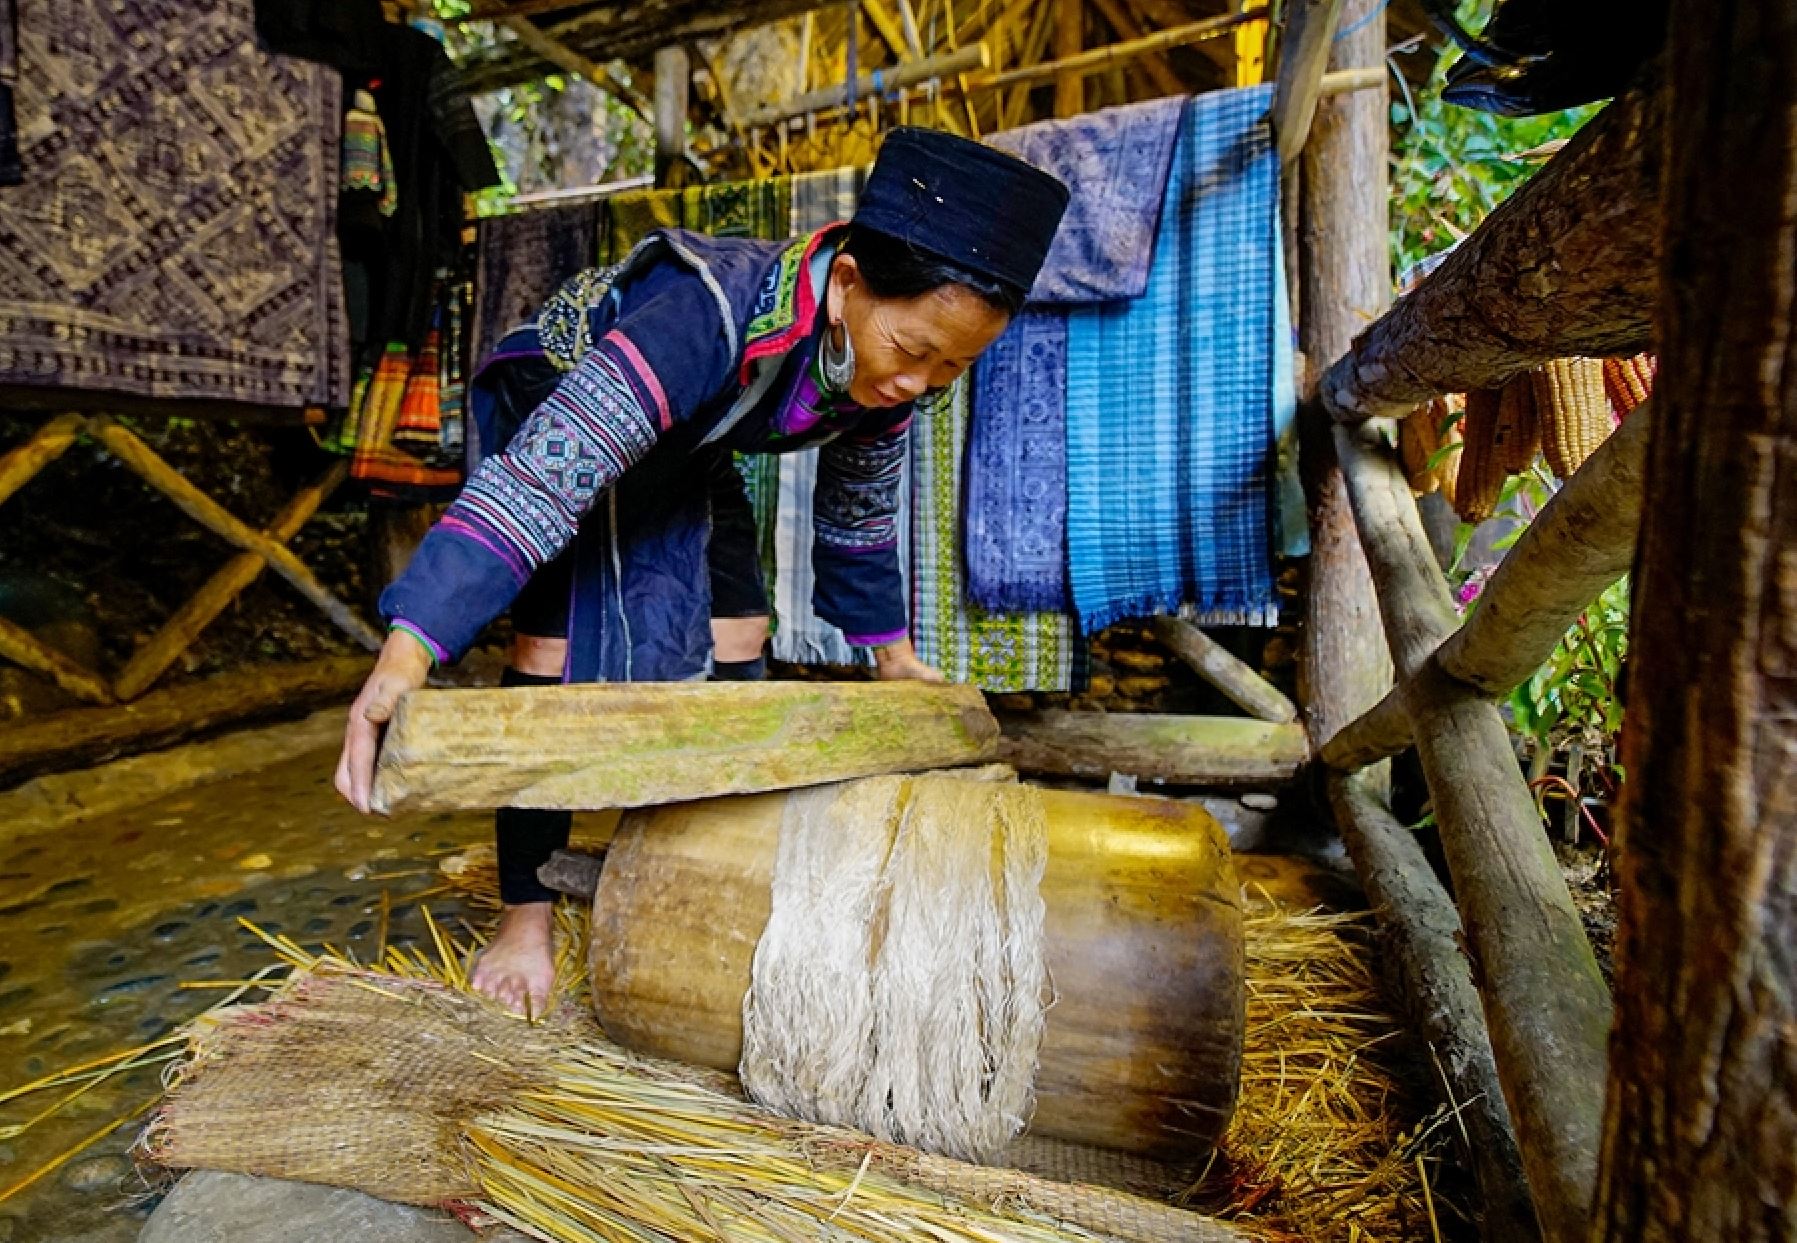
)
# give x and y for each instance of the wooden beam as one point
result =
(1221, 752)
(887, 28)
(631, 745)
(20, 646)
(1303, 58)
(1421, 942)
(946, 64)
(673, 96)
(563, 57)
(1099, 59)
(84, 736)
(1701, 1130)
(1153, 63)
(161, 650)
(1069, 42)
(1545, 1002)
(137, 455)
(1579, 544)
(1220, 667)
(1565, 266)
(49, 442)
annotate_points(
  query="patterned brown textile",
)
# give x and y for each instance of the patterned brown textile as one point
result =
(175, 233)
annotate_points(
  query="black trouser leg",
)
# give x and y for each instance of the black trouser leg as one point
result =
(739, 670)
(528, 835)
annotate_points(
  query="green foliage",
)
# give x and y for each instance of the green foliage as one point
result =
(1451, 165)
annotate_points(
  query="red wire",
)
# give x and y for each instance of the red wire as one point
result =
(1573, 794)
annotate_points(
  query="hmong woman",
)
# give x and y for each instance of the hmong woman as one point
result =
(628, 394)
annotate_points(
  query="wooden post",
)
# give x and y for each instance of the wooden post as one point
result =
(1303, 56)
(1421, 933)
(1069, 41)
(1219, 666)
(1546, 1005)
(673, 94)
(1700, 1136)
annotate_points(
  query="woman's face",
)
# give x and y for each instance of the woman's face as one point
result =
(906, 346)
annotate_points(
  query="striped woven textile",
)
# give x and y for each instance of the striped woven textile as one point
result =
(999, 653)
(1169, 396)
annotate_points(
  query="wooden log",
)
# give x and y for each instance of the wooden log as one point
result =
(1545, 1002)
(1069, 41)
(49, 442)
(945, 64)
(572, 872)
(1565, 266)
(162, 718)
(1580, 543)
(161, 649)
(1220, 667)
(1343, 283)
(1303, 58)
(1099, 59)
(1700, 1137)
(631, 745)
(142, 459)
(1421, 936)
(1222, 752)
(20, 646)
(1143, 938)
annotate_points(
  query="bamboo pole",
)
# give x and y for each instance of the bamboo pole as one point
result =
(1565, 266)
(48, 443)
(1099, 59)
(24, 648)
(566, 58)
(912, 73)
(1153, 63)
(1303, 59)
(1069, 40)
(1546, 1004)
(1580, 543)
(161, 649)
(137, 455)
(1220, 667)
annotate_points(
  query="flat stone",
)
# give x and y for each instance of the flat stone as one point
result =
(211, 1207)
(105, 1173)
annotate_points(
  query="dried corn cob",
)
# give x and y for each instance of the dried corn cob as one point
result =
(1628, 382)
(1518, 431)
(1482, 472)
(1573, 412)
(1419, 436)
(1450, 439)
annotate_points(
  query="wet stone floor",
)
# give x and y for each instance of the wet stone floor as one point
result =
(106, 924)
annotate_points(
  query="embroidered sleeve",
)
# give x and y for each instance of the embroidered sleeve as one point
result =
(665, 356)
(855, 510)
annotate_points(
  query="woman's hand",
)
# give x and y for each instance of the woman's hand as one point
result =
(402, 666)
(897, 662)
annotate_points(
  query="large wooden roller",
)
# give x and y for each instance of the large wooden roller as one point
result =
(1142, 1046)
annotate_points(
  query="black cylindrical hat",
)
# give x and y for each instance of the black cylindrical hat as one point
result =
(989, 212)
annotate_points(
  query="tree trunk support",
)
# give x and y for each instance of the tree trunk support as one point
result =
(1220, 667)
(1214, 751)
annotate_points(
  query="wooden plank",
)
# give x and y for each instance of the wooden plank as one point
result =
(83, 736)
(1545, 1002)
(161, 649)
(1220, 667)
(1420, 940)
(1564, 266)
(1580, 543)
(1303, 57)
(142, 459)
(49, 442)
(1701, 1130)
(632, 745)
(1221, 752)
(24, 648)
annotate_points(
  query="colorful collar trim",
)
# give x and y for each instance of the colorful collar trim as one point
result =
(787, 303)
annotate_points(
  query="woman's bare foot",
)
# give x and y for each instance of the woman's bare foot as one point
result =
(517, 969)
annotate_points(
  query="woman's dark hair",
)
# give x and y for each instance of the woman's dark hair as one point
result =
(894, 268)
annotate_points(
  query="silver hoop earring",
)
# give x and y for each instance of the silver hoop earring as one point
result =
(836, 359)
